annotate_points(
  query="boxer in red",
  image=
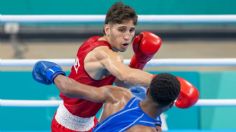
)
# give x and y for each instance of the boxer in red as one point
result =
(98, 63)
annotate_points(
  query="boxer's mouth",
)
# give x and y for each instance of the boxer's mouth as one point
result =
(125, 44)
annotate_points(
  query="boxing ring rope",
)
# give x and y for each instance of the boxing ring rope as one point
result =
(29, 103)
(152, 63)
(55, 103)
(100, 18)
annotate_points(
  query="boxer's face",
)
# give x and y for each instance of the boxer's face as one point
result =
(120, 35)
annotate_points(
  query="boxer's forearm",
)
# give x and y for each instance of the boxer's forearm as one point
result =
(71, 88)
(139, 77)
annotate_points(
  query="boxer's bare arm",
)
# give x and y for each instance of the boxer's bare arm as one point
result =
(72, 88)
(111, 62)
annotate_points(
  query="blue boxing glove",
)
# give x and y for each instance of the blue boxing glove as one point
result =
(45, 72)
(138, 91)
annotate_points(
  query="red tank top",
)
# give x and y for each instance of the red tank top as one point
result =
(81, 107)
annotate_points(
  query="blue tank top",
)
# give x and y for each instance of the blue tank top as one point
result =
(129, 116)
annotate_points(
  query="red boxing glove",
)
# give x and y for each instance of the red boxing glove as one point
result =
(145, 45)
(188, 96)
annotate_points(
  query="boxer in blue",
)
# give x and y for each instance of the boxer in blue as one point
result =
(122, 111)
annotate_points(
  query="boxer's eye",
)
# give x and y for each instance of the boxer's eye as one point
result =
(122, 29)
(132, 30)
